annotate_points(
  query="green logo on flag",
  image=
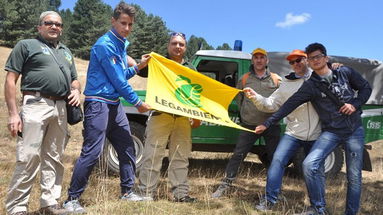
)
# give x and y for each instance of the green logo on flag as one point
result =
(189, 94)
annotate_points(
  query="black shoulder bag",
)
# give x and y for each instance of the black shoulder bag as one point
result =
(323, 87)
(74, 113)
(367, 166)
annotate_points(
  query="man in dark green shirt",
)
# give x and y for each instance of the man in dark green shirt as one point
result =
(41, 125)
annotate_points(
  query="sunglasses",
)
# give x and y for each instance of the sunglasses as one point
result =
(316, 57)
(50, 24)
(292, 62)
(178, 34)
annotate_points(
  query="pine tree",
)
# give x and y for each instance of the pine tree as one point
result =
(20, 20)
(3, 9)
(54, 5)
(149, 34)
(195, 44)
(67, 17)
(91, 19)
(224, 46)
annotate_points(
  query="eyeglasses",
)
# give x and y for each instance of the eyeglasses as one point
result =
(316, 57)
(298, 60)
(178, 34)
(50, 24)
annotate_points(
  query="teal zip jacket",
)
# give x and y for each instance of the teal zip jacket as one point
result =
(108, 71)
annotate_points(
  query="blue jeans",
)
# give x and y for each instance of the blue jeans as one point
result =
(325, 144)
(102, 120)
(286, 149)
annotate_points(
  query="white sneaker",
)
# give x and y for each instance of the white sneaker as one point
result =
(131, 197)
(147, 198)
(74, 207)
(264, 205)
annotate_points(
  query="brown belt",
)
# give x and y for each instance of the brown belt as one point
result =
(43, 95)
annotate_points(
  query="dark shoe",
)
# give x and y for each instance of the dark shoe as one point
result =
(264, 205)
(308, 211)
(53, 210)
(281, 198)
(186, 199)
(221, 190)
(312, 211)
(20, 213)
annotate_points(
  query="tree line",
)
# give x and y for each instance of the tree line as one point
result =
(89, 20)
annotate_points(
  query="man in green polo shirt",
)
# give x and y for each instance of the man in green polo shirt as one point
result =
(41, 125)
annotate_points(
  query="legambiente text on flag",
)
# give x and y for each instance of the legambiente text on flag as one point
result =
(176, 89)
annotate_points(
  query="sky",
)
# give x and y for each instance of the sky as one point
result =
(351, 28)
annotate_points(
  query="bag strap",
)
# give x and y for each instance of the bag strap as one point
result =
(244, 78)
(323, 87)
(60, 66)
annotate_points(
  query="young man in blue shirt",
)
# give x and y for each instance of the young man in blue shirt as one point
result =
(107, 80)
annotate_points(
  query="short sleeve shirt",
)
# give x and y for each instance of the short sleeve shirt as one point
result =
(32, 58)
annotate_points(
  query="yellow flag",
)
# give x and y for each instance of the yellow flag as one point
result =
(176, 89)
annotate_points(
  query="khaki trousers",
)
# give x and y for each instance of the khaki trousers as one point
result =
(40, 149)
(163, 130)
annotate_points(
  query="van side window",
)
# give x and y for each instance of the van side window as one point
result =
(222, 71)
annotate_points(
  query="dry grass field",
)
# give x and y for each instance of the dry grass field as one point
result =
(206, 170)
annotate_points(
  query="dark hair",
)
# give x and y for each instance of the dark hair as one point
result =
(122, 7)
(314, 47)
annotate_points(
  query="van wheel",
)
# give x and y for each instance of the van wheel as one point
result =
(109, 158)
(333, 163)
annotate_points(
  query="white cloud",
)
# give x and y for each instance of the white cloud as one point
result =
(292, 19)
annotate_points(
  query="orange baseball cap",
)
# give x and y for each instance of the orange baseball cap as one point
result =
(259, 51)
(296, 52)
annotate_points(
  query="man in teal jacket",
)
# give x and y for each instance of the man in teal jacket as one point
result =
(107, 80)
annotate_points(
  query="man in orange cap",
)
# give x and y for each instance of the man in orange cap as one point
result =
(302, 126)
(262, 81)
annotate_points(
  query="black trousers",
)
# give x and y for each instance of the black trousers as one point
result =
(245, 143)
